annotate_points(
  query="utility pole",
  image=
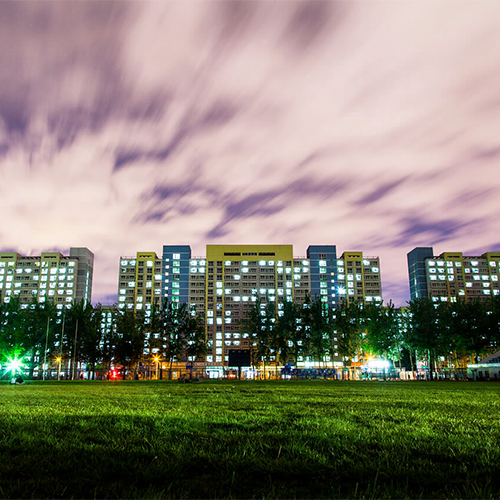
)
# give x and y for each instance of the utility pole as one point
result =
(74, 352)
(60, 348)
(45, 352)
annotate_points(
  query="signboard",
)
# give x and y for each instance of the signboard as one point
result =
(239, 357)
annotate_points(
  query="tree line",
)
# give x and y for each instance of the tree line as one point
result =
(86, 335)
(444, 333)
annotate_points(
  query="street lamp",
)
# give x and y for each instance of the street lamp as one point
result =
(156, 359)
(58, 360)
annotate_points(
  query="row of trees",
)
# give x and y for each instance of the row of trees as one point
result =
(454, 331)
(40, 333)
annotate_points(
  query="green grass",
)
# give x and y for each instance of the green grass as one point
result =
(250, 440)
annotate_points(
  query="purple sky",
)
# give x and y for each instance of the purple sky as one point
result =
(372, 125)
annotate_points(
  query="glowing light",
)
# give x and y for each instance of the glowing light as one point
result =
(14, 365)
(378, 364)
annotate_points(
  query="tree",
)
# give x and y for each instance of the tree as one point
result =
(427, 332)
(469, 332)
(39, 327)
(383, 333)
(348, 323)
(260, 323)
(288, 333)
(129, 341)
(251, 325)
(86, 322)
(182, 334)
(492, 322)
(196, 341)
(317, 321)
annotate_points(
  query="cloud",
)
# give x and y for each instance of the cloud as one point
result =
(370, 125)
(379, 192)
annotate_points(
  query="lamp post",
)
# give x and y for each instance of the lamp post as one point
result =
(58, 360)
(156, 359)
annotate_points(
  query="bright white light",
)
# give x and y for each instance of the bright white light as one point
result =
(378, 364)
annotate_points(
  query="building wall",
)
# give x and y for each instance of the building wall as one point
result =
(451, 276)
(359, 278)
(85, 273)
(50, 277)
(236, 275)
(323, 265)
(140, 282)
(417, 271)
(175, 273)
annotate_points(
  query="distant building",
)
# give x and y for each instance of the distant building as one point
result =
(221, 286)
(358, 278)
(487, 369)
(49, 277)
(452, 276)
(140, 282)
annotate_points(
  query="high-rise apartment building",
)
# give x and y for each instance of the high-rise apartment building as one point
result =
(452, 276)
(323, 272)
(236, 276)
(222, 285)
(175, 268)
(49, 277)
(140, 282)
(358, 278)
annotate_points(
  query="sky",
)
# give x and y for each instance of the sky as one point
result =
(369, 125)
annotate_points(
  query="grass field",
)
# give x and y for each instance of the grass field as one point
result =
(250, 440)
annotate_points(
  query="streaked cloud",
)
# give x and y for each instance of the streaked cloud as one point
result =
(371, 125)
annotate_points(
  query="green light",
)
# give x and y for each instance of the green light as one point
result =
(14, 365)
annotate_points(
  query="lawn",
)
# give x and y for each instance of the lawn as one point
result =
(305, 439)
